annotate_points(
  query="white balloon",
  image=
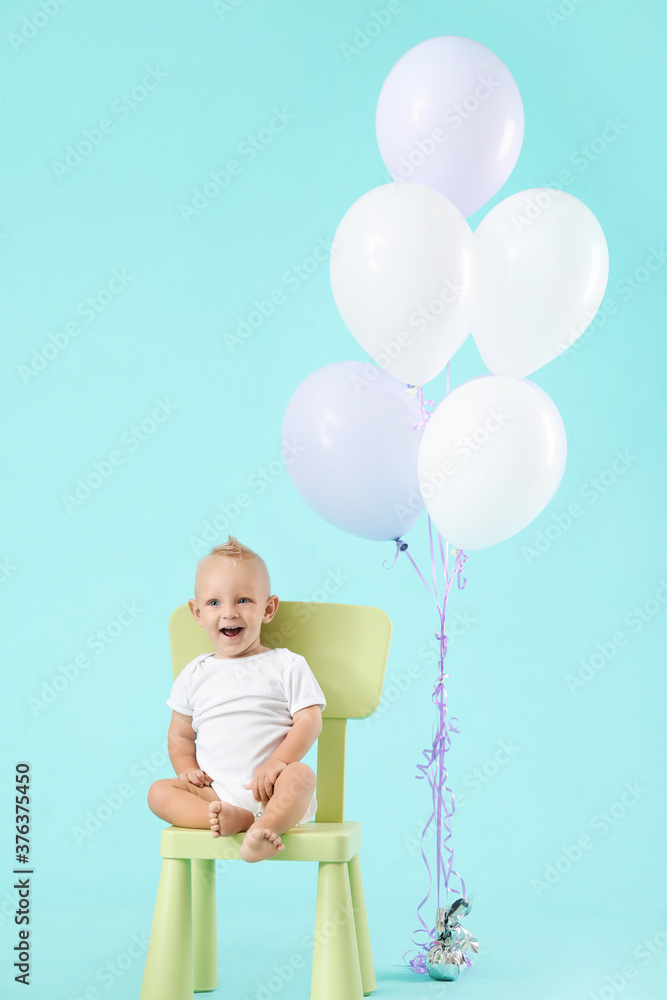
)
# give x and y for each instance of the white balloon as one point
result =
(404, 275)
(544, 266)
(491, 458)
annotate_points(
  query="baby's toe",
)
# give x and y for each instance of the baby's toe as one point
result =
(214, 817)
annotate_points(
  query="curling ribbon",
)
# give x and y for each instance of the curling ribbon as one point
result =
(423, 403)
(435, 770)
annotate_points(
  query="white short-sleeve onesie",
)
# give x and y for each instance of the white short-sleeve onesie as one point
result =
(242, 708)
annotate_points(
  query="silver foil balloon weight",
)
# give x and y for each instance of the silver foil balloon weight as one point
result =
(447, 955)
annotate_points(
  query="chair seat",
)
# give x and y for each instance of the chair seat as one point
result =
(310, 842)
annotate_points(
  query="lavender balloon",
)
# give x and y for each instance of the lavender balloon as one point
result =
(450, 116)
(352, 429)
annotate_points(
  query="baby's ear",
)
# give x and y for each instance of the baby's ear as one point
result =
(192, 604)
(271, 608)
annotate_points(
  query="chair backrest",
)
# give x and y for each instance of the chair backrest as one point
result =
(345, 645)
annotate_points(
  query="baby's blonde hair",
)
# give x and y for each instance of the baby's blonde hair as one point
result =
(237, 550)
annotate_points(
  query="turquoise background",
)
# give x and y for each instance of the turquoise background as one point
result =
(526, 618)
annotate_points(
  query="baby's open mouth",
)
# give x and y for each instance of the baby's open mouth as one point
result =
(231, 633)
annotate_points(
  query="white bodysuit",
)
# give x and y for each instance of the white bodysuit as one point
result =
(242, 708)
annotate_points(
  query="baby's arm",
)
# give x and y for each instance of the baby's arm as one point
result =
(305, 729)
(181, 743)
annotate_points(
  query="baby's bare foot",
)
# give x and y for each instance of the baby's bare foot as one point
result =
(260, 843)
(219, 818)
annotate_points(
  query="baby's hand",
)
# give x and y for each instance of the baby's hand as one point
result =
(264, 779)
(200, 778)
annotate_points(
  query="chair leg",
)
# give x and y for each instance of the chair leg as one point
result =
(361, 926)
(336, 974)
(204, 926)
(168, 969)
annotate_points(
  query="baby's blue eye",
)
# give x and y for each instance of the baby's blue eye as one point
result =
(214, 600)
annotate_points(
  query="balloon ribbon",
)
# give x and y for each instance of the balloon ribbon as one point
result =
(435, 770)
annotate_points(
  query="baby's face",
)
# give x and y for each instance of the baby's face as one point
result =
(231, 602)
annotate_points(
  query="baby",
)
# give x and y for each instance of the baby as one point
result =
(243, 717)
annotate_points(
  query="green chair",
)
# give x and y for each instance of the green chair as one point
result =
(346, 647)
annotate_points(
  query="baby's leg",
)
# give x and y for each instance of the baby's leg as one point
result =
(292, 792)
(184, 804)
